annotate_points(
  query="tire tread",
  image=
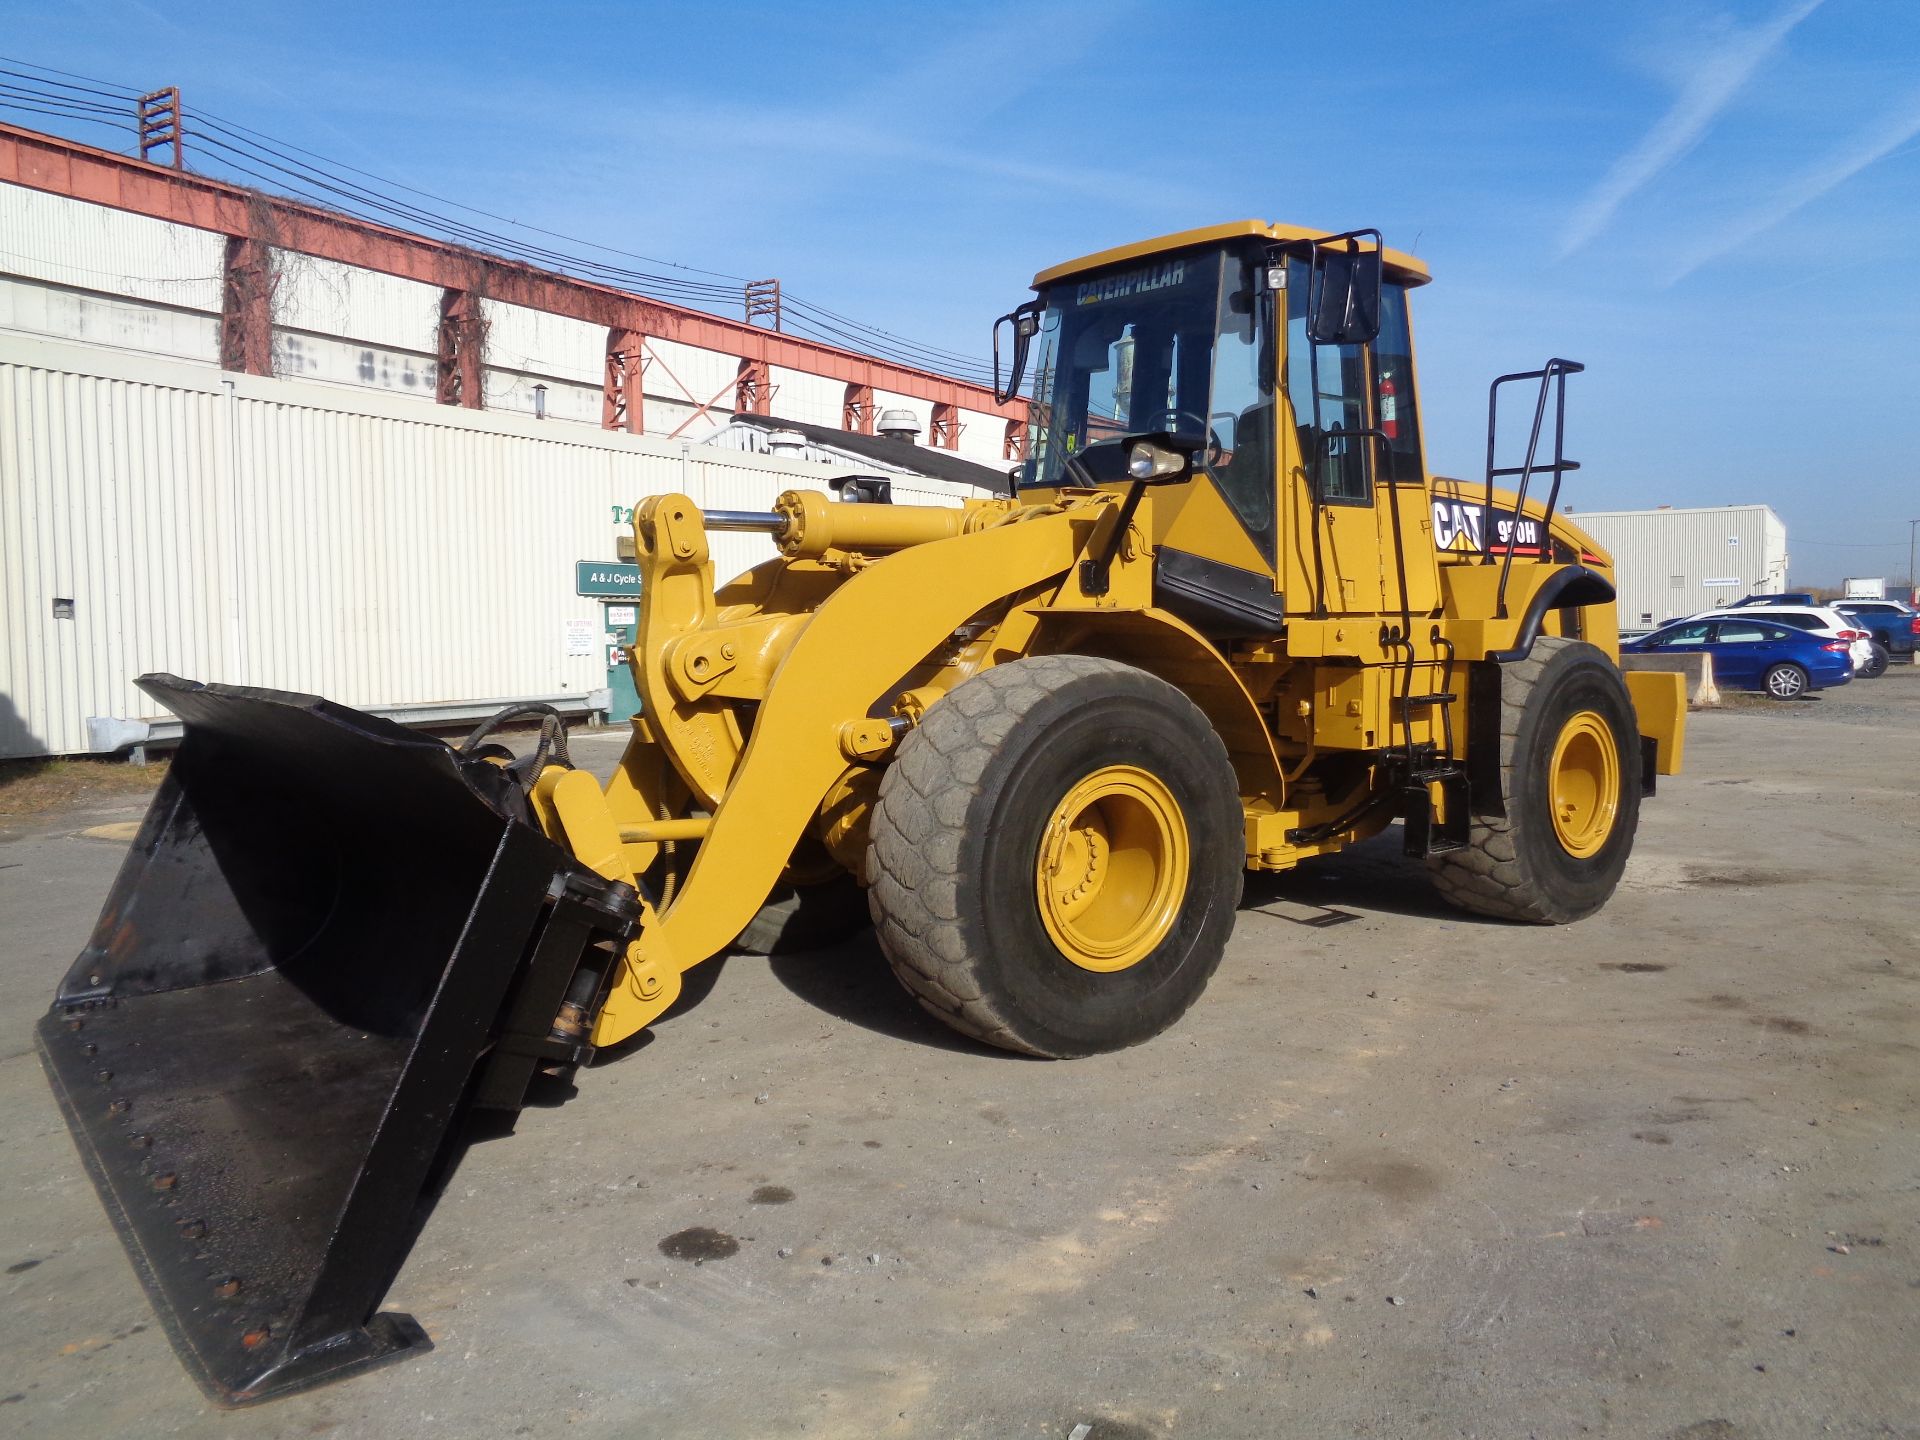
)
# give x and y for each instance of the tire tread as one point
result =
(915, 854)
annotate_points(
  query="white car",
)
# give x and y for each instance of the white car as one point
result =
(1815, 620)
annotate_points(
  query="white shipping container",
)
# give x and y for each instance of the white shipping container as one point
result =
(1866, 589)
(155, 515)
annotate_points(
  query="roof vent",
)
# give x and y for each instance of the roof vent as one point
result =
(899, 425)
(790, 443)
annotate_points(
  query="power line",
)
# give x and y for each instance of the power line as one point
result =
(319, 179)
(89, 85)
(233, 126)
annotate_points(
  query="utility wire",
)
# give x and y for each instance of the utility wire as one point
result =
(97, 87)
(321, 180)
(234, 127)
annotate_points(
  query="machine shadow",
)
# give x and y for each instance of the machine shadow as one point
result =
(1373, 877)
(852, 981)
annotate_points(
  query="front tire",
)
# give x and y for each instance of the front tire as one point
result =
(1570, 777)
(1786, 682)
(1056, 856)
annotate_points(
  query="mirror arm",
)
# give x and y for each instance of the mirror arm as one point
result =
(1025, 320)
(1096, 570)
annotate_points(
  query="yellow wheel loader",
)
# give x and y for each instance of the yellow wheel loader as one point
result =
(1225, 621)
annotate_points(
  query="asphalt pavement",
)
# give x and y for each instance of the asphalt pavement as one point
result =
(1399, 1173)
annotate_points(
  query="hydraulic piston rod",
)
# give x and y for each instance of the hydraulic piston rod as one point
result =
(767, 522)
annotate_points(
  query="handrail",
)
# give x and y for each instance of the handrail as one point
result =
(1553, 374)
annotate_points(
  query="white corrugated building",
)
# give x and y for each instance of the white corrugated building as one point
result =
(1671, 562)
(410, 559)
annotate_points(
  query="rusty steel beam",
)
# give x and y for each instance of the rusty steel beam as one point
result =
(753, 391)
(462, 351)
(82, 172)
(623, 401)
(857, 411)
(946, 427)
(246, 307)
(1014, 447)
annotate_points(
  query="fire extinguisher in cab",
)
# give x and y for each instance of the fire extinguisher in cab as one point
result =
(1389, 407)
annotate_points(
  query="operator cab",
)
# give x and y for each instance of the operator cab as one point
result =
(1177, 341)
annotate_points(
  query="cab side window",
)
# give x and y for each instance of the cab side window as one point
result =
(1240, 413)
(1327, 386)
(1393, 360)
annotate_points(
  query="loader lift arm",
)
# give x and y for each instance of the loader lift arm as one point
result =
(838, 666)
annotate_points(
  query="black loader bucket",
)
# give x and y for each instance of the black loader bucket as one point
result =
(331, 941)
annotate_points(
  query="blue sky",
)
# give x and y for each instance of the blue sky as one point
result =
(1713, 205)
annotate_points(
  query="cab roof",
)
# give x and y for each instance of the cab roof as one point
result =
(1401, 267)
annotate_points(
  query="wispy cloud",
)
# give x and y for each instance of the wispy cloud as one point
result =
(1881, 140)
(1716, 77)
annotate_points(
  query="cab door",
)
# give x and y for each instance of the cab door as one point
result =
(1325, 489)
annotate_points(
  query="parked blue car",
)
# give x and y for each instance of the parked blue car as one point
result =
(1754, 654)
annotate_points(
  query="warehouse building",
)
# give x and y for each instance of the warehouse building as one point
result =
(1670, 563)
(248, 439)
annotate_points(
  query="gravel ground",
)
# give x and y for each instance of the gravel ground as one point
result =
(1400, 1173)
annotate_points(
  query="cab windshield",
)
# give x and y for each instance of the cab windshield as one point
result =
(1174, 343)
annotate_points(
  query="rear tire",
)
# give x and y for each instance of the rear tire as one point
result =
(1876, 665)
(1570, 775)
(1056, 856)
(1786, 682)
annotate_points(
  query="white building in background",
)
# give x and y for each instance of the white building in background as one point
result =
(414, 560)
(1670, 563)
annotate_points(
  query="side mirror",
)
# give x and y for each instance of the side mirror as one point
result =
(1023, 323)
(1343, 304)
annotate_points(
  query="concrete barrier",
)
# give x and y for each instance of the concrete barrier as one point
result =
(1701, 691)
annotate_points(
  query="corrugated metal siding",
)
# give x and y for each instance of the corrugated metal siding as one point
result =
(983, 437)
(39, 308)
(274, 532)
(89, 247)
(363, 306)
(1663, 558)
(534, 342)
(689, 375)
(816, 399)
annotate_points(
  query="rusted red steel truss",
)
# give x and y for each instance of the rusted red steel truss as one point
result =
(256, 224)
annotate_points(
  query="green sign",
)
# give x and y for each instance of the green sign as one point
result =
(605, 577)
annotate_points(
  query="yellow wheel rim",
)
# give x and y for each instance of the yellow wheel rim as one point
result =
(1112, 869)
(1583, 784)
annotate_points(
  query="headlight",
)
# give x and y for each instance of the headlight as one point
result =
(1148, 461)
